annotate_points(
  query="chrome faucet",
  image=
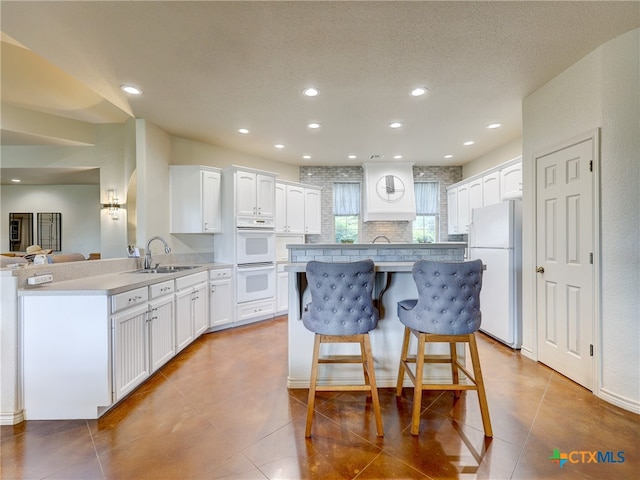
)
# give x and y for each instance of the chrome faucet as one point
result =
(147, 252)
(382, 237)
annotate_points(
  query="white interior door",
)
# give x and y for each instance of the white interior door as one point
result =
(564, 260)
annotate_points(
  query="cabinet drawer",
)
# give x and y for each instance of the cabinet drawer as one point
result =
(221, 274)
(160, 289)
(189, 280)
(129, 299)
(255, 309)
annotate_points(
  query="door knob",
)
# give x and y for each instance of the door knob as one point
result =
(540, 269)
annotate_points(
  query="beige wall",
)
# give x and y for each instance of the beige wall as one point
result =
(492, 159)
(189, 152)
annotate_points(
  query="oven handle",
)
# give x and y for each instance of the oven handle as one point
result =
(256, 266)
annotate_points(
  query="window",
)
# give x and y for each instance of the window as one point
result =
(346, 211)
(425, 226)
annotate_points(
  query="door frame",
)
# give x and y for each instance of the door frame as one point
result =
(594, 136)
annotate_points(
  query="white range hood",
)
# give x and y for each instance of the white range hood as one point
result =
(388, 192)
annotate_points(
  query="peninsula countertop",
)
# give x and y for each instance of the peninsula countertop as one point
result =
(113, 283)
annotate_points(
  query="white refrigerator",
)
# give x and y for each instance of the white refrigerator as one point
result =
(495, 237)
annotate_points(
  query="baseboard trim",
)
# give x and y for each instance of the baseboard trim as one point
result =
(11, 418)
(619, 401)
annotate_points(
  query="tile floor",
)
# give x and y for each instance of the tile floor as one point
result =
(221, 409)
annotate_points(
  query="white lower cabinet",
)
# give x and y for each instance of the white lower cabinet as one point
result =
(220, 298)
(130, 349)
(282, 291)
(200, 309)
(162, 345)
(143, 335)
(257, 310)
(192, 316)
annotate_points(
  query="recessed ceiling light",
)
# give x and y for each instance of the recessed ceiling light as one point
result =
(307, 157)
(494, 125)
(131, 90)
(352, 157)
(395, 125)
(243, 130)
(397, 157)
(470, 142)
(16, 180)
(313, 125)
(448, 156)
(418, 92)
(279, 145)
(311, 92)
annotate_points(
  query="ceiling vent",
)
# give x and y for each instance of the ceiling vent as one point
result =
(376, 156)
(388, 192)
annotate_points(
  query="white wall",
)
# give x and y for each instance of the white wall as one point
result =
(79, 205)
(600, 91)
(494, 158)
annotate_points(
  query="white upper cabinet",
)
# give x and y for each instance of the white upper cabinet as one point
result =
(312, 211)
(281, 207)
(463, 208)
(255, 194)
(488, 188)
(289, 208)
(298, 208)
(511, 181)
(475, 195)
(452, 211)
(491, 188)
(195, 199)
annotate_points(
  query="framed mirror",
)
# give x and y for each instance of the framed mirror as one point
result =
(20, 231)
(50, 231)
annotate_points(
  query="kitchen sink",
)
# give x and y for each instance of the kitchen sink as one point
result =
(167, 269)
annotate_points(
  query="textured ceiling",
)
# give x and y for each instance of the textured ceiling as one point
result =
(209, 68)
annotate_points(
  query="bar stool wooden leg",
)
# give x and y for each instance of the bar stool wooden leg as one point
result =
(312, 385)
(455, 375)
(403, 359)
(374, 387)
(482, 398)
(363, 356)
(417, 386)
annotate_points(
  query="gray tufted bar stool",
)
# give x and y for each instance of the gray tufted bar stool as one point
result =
(447, 310)
(342, 311)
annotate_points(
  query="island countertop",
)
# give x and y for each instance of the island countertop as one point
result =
(381, 253)
(379, 267)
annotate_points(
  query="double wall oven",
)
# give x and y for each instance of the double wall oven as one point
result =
(255, 259)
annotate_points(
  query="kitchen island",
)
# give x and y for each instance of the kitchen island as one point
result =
(393, 282)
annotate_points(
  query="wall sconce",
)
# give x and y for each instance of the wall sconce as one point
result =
(113, 204)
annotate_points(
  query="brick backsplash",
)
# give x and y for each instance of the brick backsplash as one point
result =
(396, 231)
